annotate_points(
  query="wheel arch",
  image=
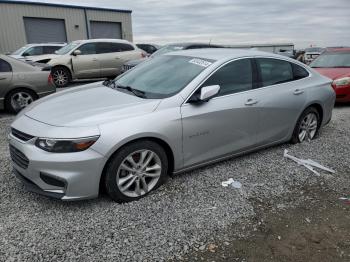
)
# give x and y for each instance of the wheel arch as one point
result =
(165, 145)
(30, 89)
(317, 105)
(64, 66)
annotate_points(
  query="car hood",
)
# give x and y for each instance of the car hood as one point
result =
(88, 105)
(333, 73)
(42, 57)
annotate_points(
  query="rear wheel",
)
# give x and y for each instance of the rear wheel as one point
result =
(307, 126)
(61, 76)
(18, 99)
(135, 170)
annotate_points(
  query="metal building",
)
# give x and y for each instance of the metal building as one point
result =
(32, 22)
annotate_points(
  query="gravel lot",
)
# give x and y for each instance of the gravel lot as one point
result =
(191, 210)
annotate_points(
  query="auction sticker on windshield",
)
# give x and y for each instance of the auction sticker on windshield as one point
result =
(200, 62)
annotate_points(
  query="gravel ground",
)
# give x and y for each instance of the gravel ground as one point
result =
(188, 212)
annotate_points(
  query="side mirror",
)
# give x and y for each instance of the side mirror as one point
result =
(206, 93)
(25, 54)
(76, 52)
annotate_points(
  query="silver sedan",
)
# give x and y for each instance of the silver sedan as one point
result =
(170, 114)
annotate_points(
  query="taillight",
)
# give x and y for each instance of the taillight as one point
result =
(50, 79)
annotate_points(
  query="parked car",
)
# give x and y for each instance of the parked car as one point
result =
(93, 58)
(22, 83)
(30, 50)
(312, 53)
(166, 49)
(151, 122)
(335, 64)
(148, 48)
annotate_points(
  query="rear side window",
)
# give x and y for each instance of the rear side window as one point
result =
(5, 67)
(274, 71)
(299, 72)
(234, 77)
(120, 47)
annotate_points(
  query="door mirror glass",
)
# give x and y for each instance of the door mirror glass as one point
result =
(76, 52)
(208, 92)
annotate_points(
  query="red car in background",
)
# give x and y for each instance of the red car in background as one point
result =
(335, 64)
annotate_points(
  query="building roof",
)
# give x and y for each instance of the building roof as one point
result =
(65, 6)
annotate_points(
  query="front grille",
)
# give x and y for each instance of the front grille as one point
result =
(127, 67)
(20, 135)
(18, 157)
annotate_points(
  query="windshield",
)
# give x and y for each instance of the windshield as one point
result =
(167, 49)
(66, 49)
(163, 76)
(19, 51)
(336, 59)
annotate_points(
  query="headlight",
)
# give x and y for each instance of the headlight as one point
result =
(65, 145)
(345, 81)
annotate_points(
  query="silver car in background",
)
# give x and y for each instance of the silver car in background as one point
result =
(21, 83)
(170, 114)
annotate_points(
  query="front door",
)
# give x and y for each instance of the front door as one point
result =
(87, 64)
(226, 124)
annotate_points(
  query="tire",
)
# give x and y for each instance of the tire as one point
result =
(61, 76)
(122, 181)
(311, 130)
(18, 99)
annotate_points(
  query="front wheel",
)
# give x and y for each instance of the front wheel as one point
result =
(307, 126)
(135, 170)
(61, 76)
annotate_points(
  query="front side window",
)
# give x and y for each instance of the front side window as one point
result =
(88, 49)
(163, 76)
(36, 50)
(274, 71)
(5, 67)
(237, 76)
(51, 49)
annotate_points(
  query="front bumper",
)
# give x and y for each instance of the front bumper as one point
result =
(78, 173)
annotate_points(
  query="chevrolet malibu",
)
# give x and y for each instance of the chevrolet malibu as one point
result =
(170, 114)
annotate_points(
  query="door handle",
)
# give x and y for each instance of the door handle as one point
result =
(298, 92)
(117, 58)
(94, 59)
(251, 102)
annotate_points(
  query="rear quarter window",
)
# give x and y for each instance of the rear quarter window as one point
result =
(299, 72)
(5, 66)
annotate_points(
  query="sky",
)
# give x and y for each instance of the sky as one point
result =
(302, 22)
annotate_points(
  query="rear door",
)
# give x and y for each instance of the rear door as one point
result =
(282, 97)
(86, 65)
(112, 56)
(225, 124)
(5, 78)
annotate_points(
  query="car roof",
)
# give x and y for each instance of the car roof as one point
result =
(103, 40)
(46, 44)
(224, 53)
(338, 49)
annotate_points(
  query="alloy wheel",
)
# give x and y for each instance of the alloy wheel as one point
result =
(60, 77)
(308, 127)
(139, 173)
(20, 100)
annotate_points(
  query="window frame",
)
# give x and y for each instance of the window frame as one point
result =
(200, 85)
(10, 66)
(260, 83)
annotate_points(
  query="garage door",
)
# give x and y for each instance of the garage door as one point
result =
(105, 30)
(43, 30)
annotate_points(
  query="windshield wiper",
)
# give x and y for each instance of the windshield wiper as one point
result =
(136, 92)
